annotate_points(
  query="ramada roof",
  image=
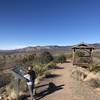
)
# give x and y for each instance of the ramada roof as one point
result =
(83, 46)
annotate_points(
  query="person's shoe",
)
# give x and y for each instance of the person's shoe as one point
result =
(33, 98)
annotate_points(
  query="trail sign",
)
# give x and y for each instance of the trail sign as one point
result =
(19, 75)
(17, 72)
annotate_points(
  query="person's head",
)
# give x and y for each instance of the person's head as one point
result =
(30, 68)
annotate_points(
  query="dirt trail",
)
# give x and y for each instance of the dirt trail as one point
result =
(72, 89)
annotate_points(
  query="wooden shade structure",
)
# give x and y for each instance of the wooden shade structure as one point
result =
(82, 54)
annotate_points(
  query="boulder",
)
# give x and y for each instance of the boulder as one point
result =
(93, 79)
(79, 73)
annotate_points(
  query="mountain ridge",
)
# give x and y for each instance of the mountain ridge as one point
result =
(43, 48)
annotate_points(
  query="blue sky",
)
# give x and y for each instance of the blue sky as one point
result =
(48, 22)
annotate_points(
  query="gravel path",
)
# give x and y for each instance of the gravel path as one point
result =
(64, 87)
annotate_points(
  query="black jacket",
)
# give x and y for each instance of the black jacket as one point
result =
(33, 75)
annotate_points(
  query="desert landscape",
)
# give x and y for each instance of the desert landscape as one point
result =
(49, 49)
(53, 64)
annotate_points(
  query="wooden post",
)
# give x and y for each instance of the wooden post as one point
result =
(17, 80)
(91, 55)
(17, 88)
(73, 59)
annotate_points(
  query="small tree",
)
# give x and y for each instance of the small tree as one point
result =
(46, 57)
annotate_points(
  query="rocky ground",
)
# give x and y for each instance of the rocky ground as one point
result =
(61, 86)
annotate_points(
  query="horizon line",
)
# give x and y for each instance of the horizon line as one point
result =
(26, 46)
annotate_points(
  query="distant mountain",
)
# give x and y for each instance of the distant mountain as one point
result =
(53, 49)
(96, 45)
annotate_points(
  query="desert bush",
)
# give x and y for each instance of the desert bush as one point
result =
(27, 60)
(40, 69)
(46, 57)
(11, 89)
(37, 60)
(94, 67)
(69, 56)
(5, 78)
(60, 59)
(51, 65)
(43, 58)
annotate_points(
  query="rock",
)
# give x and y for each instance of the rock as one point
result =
(93, 79)
(97, 90)
(90, 76)
(79, 73)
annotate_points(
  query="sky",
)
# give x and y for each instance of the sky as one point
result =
(48, 22)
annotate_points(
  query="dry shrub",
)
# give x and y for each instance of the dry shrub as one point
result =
(95, 67)
(11, 89)
(40, 69)
(5, 78)
(93, 79)
(51, 65)
(79, 73)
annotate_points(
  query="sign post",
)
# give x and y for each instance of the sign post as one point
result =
(17, 73)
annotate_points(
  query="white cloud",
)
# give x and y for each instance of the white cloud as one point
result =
(11, 47)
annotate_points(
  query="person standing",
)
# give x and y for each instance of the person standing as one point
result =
(30, 77)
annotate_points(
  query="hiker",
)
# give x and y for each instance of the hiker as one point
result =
(30, 78)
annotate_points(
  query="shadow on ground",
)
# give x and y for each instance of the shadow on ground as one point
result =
(51, 89)
(52, 76)
(55, 67)
(24, 97)
(41, 86)
(68, 61)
